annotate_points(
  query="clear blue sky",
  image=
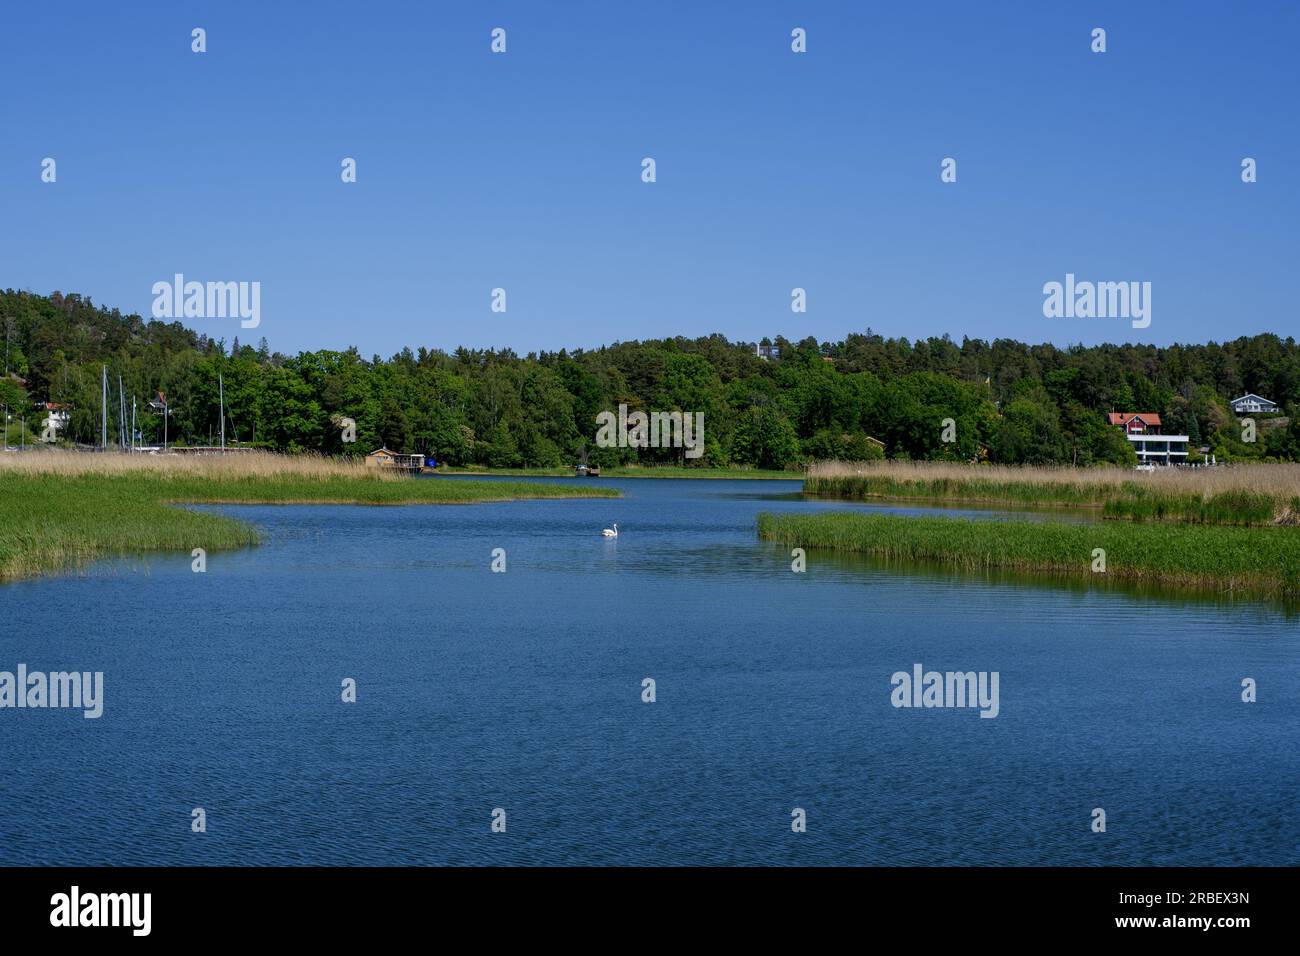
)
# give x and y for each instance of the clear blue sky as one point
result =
(775, 170)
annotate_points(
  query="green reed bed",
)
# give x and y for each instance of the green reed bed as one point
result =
(1256, 561)
(973, 488)
(51, 521)
(1241, 497)
(1227, 508)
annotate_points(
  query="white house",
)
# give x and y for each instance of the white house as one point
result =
(1143, 430)
(1251, 403)
(56, 417)
(1160, 449)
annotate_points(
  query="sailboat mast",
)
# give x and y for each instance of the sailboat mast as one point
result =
(221, 389)
(103, 407)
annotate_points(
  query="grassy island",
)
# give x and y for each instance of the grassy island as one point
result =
(1255, 494)
(1261, 562)
(63, 509)
(1228, 529)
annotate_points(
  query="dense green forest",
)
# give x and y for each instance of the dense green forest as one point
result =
(1010, 402)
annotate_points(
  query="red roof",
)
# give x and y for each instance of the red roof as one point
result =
(1123, 418)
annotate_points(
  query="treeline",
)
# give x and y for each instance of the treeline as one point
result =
(867, 395)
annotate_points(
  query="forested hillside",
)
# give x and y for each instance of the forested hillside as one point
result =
(1010, 402)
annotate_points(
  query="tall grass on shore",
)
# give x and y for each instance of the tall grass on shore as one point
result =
(1255, 494)
(1255, 561)
(62, 509)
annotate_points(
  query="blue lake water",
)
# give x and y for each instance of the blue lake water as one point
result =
(522, 690)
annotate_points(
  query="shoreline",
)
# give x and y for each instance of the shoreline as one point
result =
(1249, 496)
(712, 474)
(66, 512)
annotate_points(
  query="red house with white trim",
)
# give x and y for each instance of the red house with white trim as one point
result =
(1137, 423)
(1152, 447)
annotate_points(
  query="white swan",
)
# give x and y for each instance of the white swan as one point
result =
(611, 532)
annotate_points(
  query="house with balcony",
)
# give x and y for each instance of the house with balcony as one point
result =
(1143, 429)
(1252, 404)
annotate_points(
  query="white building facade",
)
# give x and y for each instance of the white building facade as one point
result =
(1160, 449)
